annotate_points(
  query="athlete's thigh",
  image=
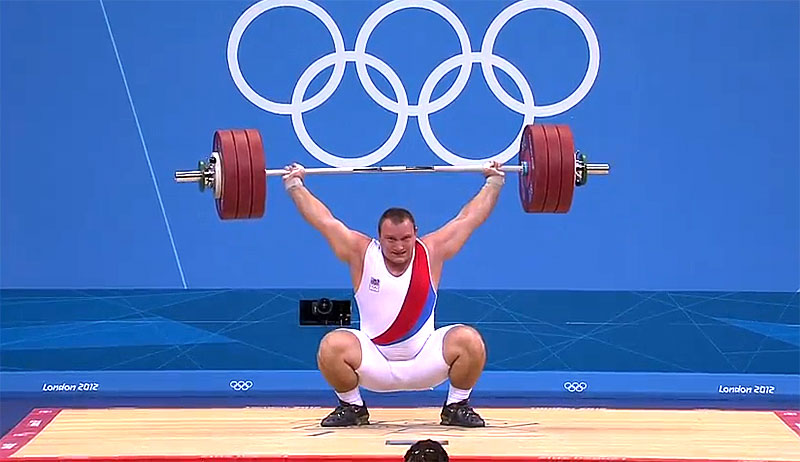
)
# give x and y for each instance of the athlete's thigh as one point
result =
(428, 369)
(374, 373)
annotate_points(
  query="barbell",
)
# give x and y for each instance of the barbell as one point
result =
(549, 169)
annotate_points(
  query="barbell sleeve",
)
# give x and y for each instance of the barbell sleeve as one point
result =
(598, 169)
(190, 176)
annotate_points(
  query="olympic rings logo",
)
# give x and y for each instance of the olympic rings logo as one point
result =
(401, 107)
(241, 385)
(575, 387)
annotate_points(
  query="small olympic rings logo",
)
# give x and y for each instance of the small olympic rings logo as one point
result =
(400, 105)
(241, 385)
(575, 387)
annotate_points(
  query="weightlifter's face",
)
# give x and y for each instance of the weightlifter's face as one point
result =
(397, 241)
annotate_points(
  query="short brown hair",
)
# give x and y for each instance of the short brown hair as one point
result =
(397, 215)
(426, 451)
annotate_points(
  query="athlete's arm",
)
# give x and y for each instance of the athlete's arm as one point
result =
(348, 245)
(445, 242)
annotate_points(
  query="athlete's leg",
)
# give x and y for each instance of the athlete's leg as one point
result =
(348, 359)
(338, 357)
(454, 351)
(465, 353)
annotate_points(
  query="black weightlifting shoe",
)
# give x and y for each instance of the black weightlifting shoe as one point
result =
(346, 415)
(461, 414)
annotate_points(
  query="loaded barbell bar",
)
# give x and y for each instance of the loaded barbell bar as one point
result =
(549, 169)
(194, 176)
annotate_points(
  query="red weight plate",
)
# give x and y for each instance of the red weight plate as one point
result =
(526, 179)
(225, 147)
(554, 172)
(258, 163)
(541, 168)
(567, 168)
(245, 174)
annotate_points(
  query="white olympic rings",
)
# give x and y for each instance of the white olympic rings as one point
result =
(401, 107)
(241, 385)
(575, 387)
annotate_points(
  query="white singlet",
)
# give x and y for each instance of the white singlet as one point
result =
(396, 312)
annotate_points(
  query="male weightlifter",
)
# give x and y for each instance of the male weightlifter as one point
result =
(395, 279)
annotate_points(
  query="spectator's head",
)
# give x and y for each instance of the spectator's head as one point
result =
(426, 451)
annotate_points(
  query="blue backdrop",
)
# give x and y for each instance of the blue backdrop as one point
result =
(695, 106)
(678, 274)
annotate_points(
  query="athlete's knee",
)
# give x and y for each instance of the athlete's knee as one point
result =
(465, 340)
(340, 345)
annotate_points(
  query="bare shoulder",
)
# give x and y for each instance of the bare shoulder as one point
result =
(358, 248)
(435, 256)
(443, 242)
(358, 244)
(433, 244)
(429, 240)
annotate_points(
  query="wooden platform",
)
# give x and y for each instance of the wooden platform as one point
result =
(294, 433)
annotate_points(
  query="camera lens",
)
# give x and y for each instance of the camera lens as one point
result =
(324, 306)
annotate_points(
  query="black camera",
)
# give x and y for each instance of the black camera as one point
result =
(324, 312)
